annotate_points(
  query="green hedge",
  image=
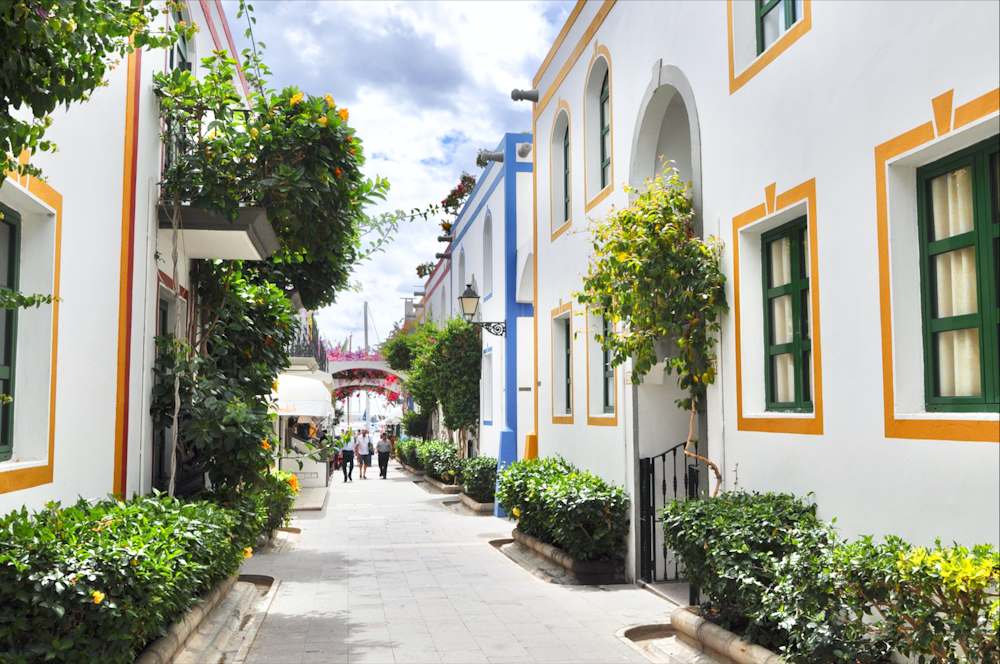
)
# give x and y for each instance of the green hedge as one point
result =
(406, 451)
(776, 574)
(557, 503)
(440, 460)
(479, 475)
(96, 583)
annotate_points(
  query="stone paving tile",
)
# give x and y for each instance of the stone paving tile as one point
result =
(387, 573)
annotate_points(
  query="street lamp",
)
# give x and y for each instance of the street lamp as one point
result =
(469, 303)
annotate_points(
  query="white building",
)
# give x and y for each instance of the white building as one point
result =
(855, 144)
(80, 371)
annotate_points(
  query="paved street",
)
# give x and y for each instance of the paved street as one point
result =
(388, 573)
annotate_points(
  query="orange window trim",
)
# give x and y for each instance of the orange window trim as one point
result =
(599, 51)
(562, 419)
(25, 478)
(561, 107)
(606, 420)
(737, 81)
(801, 425)
(921, 428)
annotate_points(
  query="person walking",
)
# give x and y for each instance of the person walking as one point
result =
(365, 449)
(347, 461)
(384, 450)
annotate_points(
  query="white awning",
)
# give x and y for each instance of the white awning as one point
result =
(301, 395)
(395, 415)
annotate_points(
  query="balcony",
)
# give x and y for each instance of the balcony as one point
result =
(206, 236)
(308, 349)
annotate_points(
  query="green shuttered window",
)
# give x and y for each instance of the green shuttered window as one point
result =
(774, 18)
(787, 315)
(959, 275)
(10, 226)
(605, 131)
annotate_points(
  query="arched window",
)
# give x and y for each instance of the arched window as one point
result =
(561, 185)
(597, 129)
(488, 255)
(461, 272)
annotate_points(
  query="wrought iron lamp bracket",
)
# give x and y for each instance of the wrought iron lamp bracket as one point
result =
(498, 329)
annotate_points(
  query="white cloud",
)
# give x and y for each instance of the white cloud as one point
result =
(427, 85)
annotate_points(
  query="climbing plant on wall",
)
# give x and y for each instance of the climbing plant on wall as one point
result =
(655, 279)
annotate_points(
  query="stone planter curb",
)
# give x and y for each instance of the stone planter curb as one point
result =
(163, 650)
(411, 471)
(585, 571)
(712, 639)
(474, 506)
(442, 487)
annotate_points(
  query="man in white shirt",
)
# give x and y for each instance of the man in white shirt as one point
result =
(365, 448)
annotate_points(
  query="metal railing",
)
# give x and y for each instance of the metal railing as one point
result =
(309, 343)
(664, 477)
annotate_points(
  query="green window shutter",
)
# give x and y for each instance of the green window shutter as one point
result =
(787, 309)
(569, 367)
(959, 232)
(605, 131)
(773, 19)
(566, 175)
(608, 371)
(10, 227)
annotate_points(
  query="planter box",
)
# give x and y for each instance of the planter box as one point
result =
(484, 508)
(716, 641)
(442, 487)
(164, 649)
(588, 572)
(411, 471)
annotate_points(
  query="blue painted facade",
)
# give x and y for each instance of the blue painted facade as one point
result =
(504, 277)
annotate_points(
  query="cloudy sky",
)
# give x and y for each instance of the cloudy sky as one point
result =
(427, 84)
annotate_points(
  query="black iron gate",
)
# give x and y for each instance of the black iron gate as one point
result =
(664, 477)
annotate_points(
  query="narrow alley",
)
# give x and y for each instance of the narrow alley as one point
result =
(389, 572)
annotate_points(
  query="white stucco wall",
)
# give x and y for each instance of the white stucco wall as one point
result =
(856, 79)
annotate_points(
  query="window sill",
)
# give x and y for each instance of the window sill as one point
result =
(771, 414)
(562, 229)
(947, 416)
(604, 193)
(19, 464)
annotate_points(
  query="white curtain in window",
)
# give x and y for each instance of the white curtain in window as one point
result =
(781, 261)
(958, 363)
(784, 378)
(955, 285)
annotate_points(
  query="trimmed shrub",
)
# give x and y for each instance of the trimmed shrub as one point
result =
(479, 475)
(281, 489)
(406, 451)
(777, 575)
(415, 423)
(440, 460)
(95, 583)
(554, 501)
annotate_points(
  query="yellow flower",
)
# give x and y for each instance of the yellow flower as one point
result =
(517, 512)
(247, 553)
(296, 98)
(322, 121)
(329, 100)
(98, 596)
(265, 444)
(343, 114)
(254, 132)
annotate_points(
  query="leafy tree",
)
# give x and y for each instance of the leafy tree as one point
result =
(655, 279)
(457, 365)
(58, 52)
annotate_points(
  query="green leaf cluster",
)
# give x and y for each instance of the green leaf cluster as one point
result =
(58, 52)
(95, 583)
(406, 451)
(655, 279)
(286, 151)
(224, 418)
(440, 460)
(14, 300)
(776, 574)
(443, 365)
(415, 423)
(556, 502)
(479, 477)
